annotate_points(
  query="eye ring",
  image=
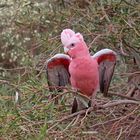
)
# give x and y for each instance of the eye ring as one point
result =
(72, 44)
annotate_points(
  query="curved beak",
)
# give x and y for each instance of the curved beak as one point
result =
(66, 50)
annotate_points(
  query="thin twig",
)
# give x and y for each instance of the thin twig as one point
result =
(82, 121)
(98, 36)
(104, 123)
(124, 96)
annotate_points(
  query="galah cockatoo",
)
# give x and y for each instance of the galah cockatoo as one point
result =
(84, 72)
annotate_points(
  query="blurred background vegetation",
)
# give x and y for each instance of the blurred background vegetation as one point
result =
(30, 34)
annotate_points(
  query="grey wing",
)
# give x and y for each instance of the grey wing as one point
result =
(106, 59)
(106, 70)
(57, 72)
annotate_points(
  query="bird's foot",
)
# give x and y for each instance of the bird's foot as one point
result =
(94, 104)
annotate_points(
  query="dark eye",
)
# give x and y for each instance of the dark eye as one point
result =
(72, 44)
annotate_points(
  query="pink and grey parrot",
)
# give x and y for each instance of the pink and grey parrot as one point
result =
(77, 67)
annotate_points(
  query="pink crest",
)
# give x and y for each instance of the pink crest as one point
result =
(66, 36)
(79, 36)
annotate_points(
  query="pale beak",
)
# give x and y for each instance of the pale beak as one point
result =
(66, 49)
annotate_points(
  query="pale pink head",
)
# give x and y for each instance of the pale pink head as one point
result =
(74, 43)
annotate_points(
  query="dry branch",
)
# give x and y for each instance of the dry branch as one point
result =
(110, 104)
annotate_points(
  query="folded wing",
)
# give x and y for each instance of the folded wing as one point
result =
(106, 59)
(57, 71)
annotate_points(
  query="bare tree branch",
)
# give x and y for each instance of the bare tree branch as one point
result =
(110, 104)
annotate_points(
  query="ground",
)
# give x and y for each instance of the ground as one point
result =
(30, 34)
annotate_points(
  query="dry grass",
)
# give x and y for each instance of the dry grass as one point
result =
(30, 35)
